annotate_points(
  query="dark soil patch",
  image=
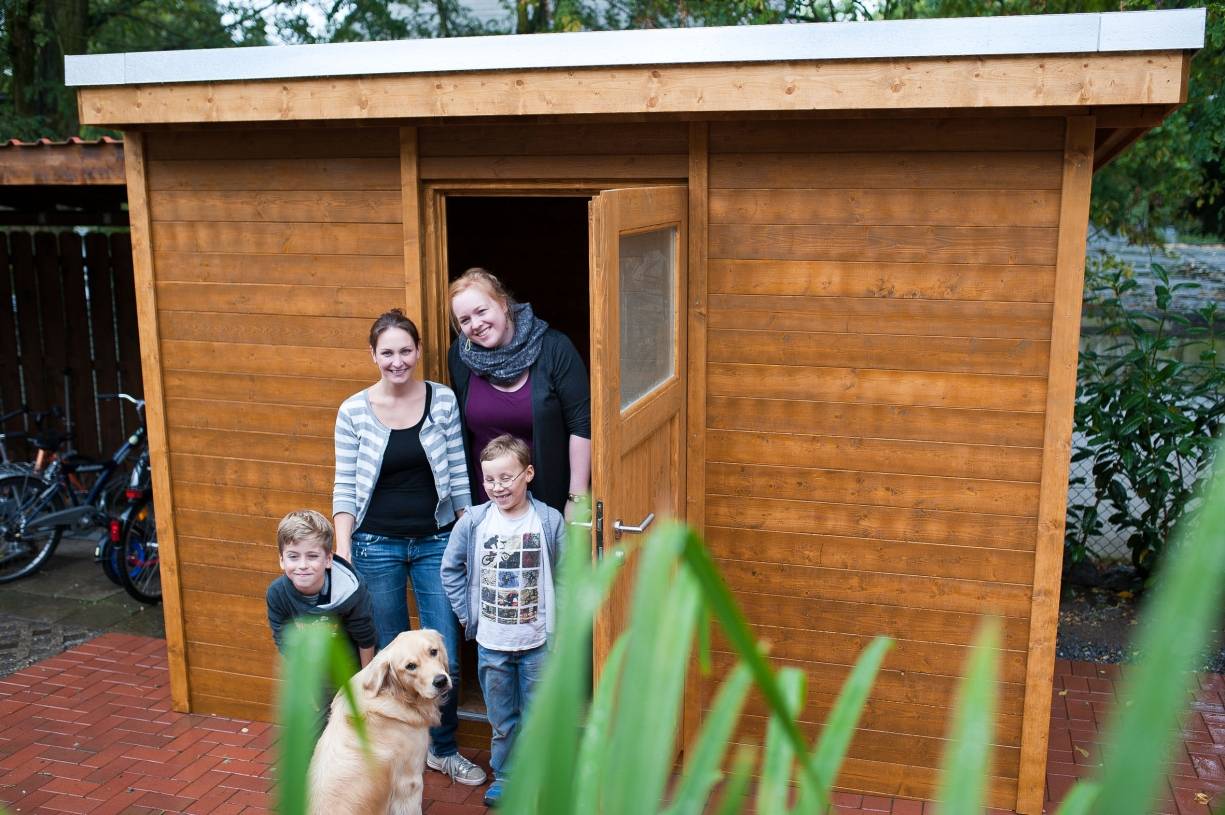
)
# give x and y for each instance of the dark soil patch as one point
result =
(1099, 611)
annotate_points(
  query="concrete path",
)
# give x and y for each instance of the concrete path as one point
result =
(67, 602)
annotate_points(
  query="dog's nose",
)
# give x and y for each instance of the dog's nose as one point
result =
(441, 681)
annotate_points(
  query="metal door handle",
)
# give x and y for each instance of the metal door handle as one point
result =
(618, 528)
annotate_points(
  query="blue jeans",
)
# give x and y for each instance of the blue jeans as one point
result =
(386, 565)
(508, 679)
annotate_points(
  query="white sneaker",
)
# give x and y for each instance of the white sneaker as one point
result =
(459, 768)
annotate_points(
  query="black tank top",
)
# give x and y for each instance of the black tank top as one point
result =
(404, 499)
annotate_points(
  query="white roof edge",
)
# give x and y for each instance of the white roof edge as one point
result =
(1166, 30)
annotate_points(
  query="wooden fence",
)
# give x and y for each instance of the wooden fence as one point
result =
(68, 322)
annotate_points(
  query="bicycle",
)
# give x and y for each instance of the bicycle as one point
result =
(9, 436)
(37, 418)
(39, 502)
(134, 535)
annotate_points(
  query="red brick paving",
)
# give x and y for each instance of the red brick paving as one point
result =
(91, 731)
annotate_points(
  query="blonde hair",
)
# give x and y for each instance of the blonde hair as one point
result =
(506, 444)
(482, 279)
(303, 524)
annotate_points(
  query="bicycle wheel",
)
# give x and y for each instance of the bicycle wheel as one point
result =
(139, 561)
(22, 501)
(108, 554)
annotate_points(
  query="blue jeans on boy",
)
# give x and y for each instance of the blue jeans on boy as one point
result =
(508, 680)
(386, 565)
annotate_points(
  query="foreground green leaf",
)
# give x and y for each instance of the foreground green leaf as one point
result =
(724, 608)
(709, 748)
(774, 784)
(661, 629)
(545, 784)
(735, 792)
(1184, 605)
(840, 726)
(966, 765)
(593, 750)
(314, 655)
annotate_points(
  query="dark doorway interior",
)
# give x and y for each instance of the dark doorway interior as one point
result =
(536, 245)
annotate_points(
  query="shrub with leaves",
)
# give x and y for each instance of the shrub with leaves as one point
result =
(1148, 405)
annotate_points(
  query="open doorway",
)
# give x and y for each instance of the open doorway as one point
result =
(538, 247)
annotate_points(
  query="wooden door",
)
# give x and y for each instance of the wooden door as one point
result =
(638, 243)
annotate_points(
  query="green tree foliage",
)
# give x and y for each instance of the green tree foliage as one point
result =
(36, 34)
(372, 20)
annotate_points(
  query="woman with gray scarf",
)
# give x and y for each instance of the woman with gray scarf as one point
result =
(513, 374)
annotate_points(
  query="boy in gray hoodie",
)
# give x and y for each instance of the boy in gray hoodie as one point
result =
(318, 584)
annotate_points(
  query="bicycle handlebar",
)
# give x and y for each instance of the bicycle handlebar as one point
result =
(139, 403)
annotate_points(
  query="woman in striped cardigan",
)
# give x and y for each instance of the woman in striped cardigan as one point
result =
(401, 482)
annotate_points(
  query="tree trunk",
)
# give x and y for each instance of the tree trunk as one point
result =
(17, 16)
(39, 34)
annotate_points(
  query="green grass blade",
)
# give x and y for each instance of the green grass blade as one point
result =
(840, 726)
(663, 619)
(706, 754)
(734, 793)
(1176, 628)
(1079, 799)
(306, 657)
(341, 668)
(704, 664)
(775, 783)
(724, 608)
(593, 749)
(967, 760)
(547, 747)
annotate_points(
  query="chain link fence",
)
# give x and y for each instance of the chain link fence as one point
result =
(1111, 544)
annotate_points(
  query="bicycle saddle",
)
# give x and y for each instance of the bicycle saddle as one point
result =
(49, 440)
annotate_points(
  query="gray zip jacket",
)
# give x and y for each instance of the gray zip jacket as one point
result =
(361, 440)
(461, 568)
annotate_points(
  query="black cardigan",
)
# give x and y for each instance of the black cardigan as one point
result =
(561, 408)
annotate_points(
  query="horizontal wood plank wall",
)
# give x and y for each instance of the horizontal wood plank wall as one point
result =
(880, 303)
(272, 252)
(584, 153)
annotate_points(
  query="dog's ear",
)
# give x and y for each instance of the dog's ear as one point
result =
(382, 677)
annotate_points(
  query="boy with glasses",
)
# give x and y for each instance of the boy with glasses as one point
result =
(498, 574)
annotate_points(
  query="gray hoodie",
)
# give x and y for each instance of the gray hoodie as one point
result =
(461, 568)
(348, 603)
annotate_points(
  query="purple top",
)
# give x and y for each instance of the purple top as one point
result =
(490, 413)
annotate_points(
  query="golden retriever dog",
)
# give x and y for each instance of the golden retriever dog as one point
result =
(399, 694)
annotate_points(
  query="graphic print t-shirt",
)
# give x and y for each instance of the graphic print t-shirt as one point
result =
(516, 581)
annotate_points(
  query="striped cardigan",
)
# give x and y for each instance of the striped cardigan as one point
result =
(361, 440)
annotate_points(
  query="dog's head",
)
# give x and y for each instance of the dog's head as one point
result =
(413, 666)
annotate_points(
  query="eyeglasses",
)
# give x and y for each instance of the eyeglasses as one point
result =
(503, 482)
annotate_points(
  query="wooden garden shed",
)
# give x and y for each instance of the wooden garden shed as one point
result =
(828, 278)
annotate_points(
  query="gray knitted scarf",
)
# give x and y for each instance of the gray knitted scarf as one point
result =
(503, 365)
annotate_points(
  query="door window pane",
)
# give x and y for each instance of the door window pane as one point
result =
(648, 311)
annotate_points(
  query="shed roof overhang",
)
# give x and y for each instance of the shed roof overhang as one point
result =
(68, 183)
(1132, 61)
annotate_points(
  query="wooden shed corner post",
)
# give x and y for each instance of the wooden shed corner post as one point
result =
(155, 413)
(1056, 455)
